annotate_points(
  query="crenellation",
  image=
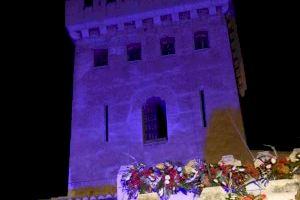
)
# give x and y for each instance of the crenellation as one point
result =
(136, 16)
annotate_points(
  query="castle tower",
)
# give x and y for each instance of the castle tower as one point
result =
(154, 80)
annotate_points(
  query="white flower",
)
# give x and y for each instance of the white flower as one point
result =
(233, 197)
(233, 168)
(216, 180)
(179, 169)
(167, 182)
(258, 163)
(127, 177)
(241, 169)
(167, 177)
(295, 155)
(273, 160)
(161, 192)
(269, 166)
(237, 163)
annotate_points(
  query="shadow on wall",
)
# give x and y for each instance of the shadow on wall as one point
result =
(225, 136)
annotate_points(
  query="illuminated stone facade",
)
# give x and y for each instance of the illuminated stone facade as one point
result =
(195, 83)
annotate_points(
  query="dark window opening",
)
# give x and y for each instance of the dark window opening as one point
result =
(154, 120)
(219, 10)
(129, 25)
(184, 15)
(100, 57)
(148, 23)
(110, 1)
(94, 32)
(201, 40)
(112, 28)
(203, 12)
(88, 3)
(166, 19)
(78, 34)
(106, 122)
(203, 111)
(167, 45)
(134, 51)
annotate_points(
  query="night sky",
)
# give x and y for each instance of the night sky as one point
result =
(270, 65)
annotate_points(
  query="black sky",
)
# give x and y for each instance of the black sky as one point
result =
(267, 34)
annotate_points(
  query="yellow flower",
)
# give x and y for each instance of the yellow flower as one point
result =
(189, 167)
(191, 163)
(160, 166)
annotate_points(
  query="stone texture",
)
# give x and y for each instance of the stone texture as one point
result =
(150, 196)
(125, 86)
(212, 193)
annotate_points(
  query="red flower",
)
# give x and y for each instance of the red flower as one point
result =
(282, 160)
(147, 172)
(281, 169)
(206, 181)
(213, 171)
(263, 196)
(225, 169)
(250, 169)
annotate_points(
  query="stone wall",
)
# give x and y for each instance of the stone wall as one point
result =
(125, 86)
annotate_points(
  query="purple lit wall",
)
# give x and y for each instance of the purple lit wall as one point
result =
(124, 86)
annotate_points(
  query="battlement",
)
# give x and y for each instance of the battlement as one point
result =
(102, 16)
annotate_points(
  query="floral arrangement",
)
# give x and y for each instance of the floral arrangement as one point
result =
(172, 177)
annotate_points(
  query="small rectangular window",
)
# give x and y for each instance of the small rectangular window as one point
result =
(184, 15)
(166, 19)
(88, 3)
(106, 122)
(78, 34)
(167, 45)
(148, 23)
(94, 32)
(203, 12)
(201, 40)
(219, 10)
(203, 111)
(100, 57)
(129, 25)
(112, 28)
(110, 1)
(134, 51)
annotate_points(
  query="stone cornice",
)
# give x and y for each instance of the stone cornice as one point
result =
(79, 28)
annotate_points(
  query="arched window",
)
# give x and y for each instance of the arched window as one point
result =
(154, 119)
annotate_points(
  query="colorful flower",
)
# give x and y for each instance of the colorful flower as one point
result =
(160, 166)
(168, 178)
